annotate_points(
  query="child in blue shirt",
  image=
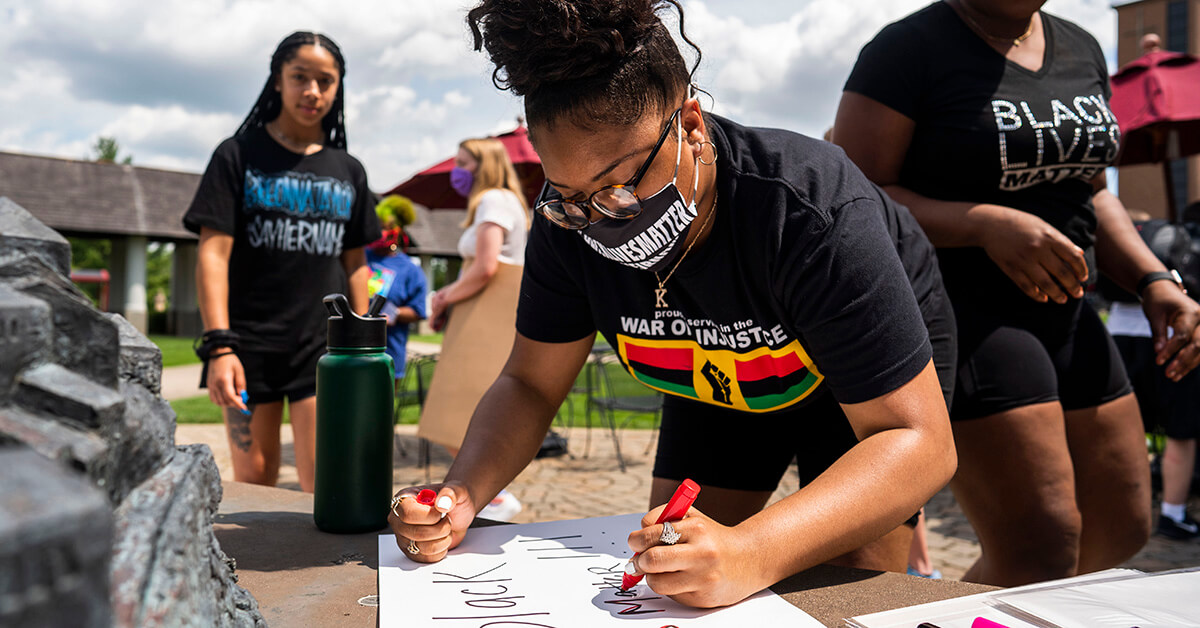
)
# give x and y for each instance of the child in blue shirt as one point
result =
(396, 276)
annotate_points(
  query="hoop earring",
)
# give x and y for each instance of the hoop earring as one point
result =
(714, 153)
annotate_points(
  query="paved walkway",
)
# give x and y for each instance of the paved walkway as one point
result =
(592, 485)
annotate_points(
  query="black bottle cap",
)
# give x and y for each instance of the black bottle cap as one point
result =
(349, 330)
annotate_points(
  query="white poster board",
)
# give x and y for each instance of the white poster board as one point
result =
(555, 574)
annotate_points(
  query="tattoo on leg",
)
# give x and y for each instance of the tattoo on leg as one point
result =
(238, 425)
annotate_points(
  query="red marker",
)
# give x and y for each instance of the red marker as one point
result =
(426, 496)
(680, 502)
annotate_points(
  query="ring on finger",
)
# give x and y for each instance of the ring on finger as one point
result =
(412, 547)
(396, 502)
(670, 535)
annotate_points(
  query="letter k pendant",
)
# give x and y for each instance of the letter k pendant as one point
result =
(660, 297)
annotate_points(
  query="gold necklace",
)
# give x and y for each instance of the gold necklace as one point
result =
(1016, 42)
(660, 293)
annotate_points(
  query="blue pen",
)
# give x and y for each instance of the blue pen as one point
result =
(245, 400)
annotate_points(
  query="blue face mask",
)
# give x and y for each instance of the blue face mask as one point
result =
(461, 180)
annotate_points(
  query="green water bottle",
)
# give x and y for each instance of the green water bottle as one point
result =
(354, 421)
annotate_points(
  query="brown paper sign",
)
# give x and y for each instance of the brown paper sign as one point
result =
(479, 337)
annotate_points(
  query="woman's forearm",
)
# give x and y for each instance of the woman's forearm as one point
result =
(489, 238)
(405, 315)
(1120, 252)
(471, 283)
(354, 262)
(505, 433)
(949, 224)
(866, 493)
(511, 420)
(212, 278)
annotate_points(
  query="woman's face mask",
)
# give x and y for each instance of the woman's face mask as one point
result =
(461, 180)
(653, 239)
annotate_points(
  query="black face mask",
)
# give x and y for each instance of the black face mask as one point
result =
(653, 239)
(650, 241)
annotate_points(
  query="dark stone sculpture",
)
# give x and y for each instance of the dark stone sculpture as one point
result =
(112, 523)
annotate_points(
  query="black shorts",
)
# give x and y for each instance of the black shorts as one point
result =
(727, 448)
(271, 376)
(1173, 405)
(1015, 352)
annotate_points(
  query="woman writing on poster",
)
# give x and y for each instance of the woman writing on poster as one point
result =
(786, 306)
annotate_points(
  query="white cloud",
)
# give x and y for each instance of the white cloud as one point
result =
(169, 136)
(171, 78)
(786, 67)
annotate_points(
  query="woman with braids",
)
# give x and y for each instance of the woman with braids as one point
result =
(283, 214)
(788, 309)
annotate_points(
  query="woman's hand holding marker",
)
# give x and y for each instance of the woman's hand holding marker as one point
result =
(689, 557)
(430, 521)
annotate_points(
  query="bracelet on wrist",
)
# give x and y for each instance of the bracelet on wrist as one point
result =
(1160, 275)
(214, 339)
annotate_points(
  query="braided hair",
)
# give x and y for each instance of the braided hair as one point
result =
(609, 61)
(270, 103)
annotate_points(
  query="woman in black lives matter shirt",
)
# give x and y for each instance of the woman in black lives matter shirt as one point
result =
(788, 309)
(283, 213)
(989, 120)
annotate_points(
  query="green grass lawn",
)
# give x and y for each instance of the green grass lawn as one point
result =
(201, 410)
(196, 410)
(437, 338)
(176, 351)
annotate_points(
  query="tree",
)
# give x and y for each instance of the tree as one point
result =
(158, 271)
(106, 149)
(90, 253)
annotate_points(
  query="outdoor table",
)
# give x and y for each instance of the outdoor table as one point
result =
(304, 577)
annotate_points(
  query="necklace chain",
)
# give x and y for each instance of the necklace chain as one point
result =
(661, 292)
(1015, 41)
(286, 139)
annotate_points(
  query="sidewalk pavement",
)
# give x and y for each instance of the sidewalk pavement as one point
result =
(588, 483)
(181, 382)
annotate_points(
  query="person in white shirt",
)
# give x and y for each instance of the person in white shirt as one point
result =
(493, 252)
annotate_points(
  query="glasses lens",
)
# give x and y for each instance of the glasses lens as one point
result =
(564, 214)
(617, 201)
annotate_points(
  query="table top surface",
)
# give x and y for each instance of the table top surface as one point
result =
(304, 577)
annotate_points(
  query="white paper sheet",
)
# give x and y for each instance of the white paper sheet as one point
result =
(1167, 600)
(554, 574)
(961, 612)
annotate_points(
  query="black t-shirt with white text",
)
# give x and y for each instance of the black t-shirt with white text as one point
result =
(988, 130)
(807, 278)
(291, 217)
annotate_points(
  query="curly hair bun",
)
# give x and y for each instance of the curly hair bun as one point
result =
(534, 42)
(605, 61)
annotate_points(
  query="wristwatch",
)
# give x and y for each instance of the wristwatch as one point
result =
(1161, 275)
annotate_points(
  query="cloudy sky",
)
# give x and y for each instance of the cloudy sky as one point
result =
(171, 78)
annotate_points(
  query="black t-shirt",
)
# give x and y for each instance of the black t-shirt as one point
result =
(291, 217)
(991, 131)
(807, 278)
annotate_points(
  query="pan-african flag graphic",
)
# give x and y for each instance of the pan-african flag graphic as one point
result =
(759, 380)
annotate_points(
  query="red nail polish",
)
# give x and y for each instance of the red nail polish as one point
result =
(426, 496)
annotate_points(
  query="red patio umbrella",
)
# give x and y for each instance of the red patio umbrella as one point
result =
(431, 187)
(1156, 99)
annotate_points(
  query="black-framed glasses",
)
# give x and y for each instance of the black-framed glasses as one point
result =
(619, 201)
